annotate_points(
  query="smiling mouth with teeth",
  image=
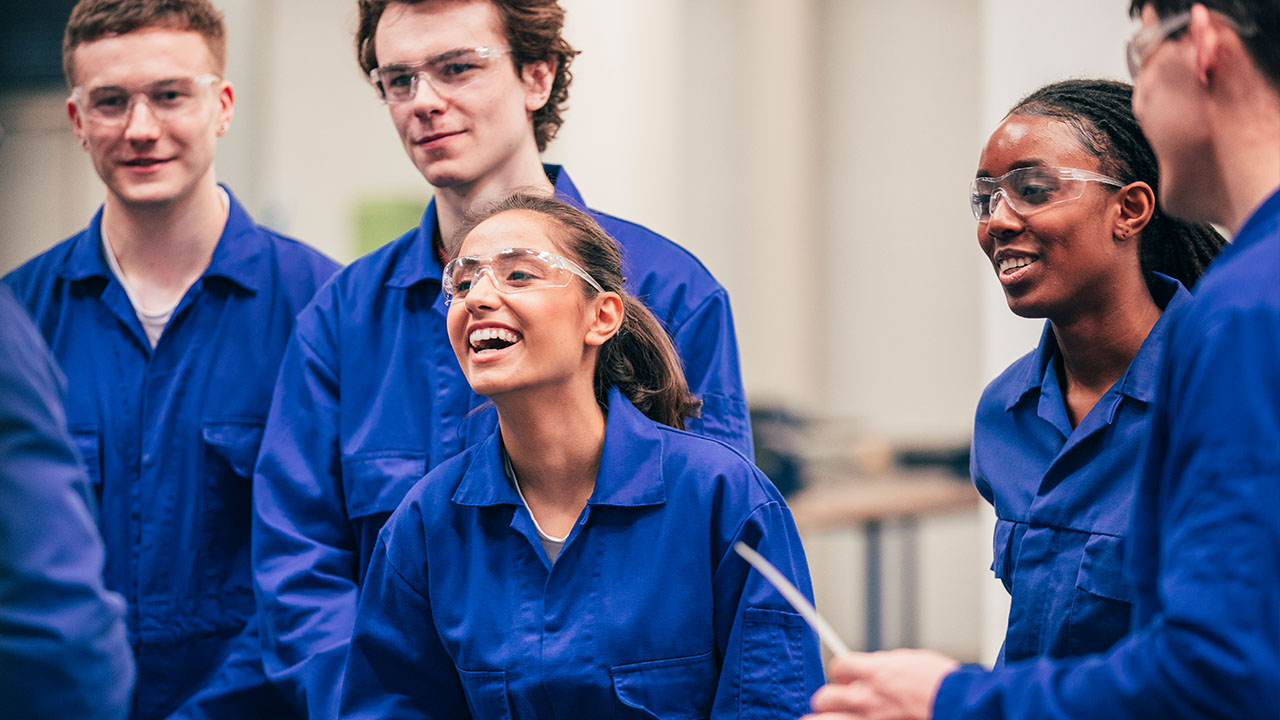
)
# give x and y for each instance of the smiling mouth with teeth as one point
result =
(492, 339)
(1014, 263)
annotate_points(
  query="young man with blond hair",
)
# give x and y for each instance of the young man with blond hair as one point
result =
(169, 314)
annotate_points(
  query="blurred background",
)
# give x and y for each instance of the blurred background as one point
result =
(815, 154)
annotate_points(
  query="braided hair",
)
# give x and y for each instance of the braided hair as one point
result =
(1101, 113)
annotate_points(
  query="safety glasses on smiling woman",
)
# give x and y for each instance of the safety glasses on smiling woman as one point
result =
(512, 270)
(1029, 190)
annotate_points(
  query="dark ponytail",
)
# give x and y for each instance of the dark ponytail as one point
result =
(639, 359)
(1101, 111)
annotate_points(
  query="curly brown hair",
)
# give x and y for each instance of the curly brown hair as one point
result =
(95, 19)
(533, 30)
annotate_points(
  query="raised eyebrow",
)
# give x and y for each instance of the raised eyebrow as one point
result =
(450, 54)
(434, 59)
(1030, 162)
(397, 66)
(167, 81)
(149, 86)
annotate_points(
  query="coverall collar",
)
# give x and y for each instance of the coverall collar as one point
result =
(1138, 381)
(237, 256)
(630, 472)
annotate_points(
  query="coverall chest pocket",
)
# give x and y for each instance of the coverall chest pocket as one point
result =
(374, 483)
(1101, 608)
(675, 689)
(773, 665)
(230, 449)
(486, 693)
(89, 443)
(1002, 552)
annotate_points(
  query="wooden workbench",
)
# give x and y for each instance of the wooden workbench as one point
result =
(868, 503)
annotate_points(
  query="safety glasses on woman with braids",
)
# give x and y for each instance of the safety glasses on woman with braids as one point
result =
(1028, 190)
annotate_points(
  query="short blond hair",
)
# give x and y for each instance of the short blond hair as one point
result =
(95, 19)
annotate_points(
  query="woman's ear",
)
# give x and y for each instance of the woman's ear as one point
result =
(607, 320)
(1137, 203)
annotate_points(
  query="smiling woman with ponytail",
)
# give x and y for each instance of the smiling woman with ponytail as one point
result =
(577, 563)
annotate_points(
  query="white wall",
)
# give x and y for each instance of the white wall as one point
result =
(48, 189)
(678, 120)
(772, 140)
(898, 145)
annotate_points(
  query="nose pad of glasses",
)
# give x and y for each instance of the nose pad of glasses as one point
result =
(421, 80)
(135, 121)
(996, 196)
(484, 270)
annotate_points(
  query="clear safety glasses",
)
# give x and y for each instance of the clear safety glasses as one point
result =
(446, 73)
(167, 99)
(512, 270)
(1029, 190)
(1147, 39)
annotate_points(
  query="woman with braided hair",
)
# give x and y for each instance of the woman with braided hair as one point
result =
(1066, 203)
(1065, 198)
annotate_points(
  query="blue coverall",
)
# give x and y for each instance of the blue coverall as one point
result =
(169, 436)
(371, 397)
(1064, 496)
(63, 649)
(647, 612)
(1205, 558)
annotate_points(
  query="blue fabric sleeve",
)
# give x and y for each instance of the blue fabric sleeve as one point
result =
(392, 670)
(771, 661)
(1210, 647)
(708, 347)
(304, 558)
(63, 647)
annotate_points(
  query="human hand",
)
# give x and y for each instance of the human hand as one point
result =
(893, 685)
